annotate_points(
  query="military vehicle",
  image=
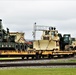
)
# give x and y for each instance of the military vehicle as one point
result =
(49, 39)
(52, 40)
(9, 41)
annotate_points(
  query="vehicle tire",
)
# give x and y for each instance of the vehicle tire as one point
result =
(17, 47)
(21, 47)
(25, 47)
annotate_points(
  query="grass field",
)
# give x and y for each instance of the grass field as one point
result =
(9, 58)
(39, 71)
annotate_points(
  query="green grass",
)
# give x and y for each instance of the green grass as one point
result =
(7, 58)
(39, 71)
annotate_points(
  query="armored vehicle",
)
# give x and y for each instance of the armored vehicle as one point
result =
(10, 41)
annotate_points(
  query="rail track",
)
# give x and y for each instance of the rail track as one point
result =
(36, 64)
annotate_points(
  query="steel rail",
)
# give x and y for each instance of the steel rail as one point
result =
(36, 64)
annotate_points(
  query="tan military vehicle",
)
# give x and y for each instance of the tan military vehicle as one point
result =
(49, 39)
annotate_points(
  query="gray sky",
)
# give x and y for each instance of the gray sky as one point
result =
(20, 15)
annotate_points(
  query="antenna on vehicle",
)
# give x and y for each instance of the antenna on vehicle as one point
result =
(34, 32)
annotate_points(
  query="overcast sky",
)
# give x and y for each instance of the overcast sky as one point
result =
(21, 15)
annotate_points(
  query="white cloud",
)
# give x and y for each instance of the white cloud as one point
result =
(21, 15)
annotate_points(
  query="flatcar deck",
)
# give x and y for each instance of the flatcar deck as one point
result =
(38, 54)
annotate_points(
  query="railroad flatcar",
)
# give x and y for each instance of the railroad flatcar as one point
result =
(51, 44)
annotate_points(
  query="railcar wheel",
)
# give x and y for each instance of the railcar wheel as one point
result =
(27, 57)
(32, 57)
(23, 57)
(49, 56)
(37, 55)
(43, 57)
